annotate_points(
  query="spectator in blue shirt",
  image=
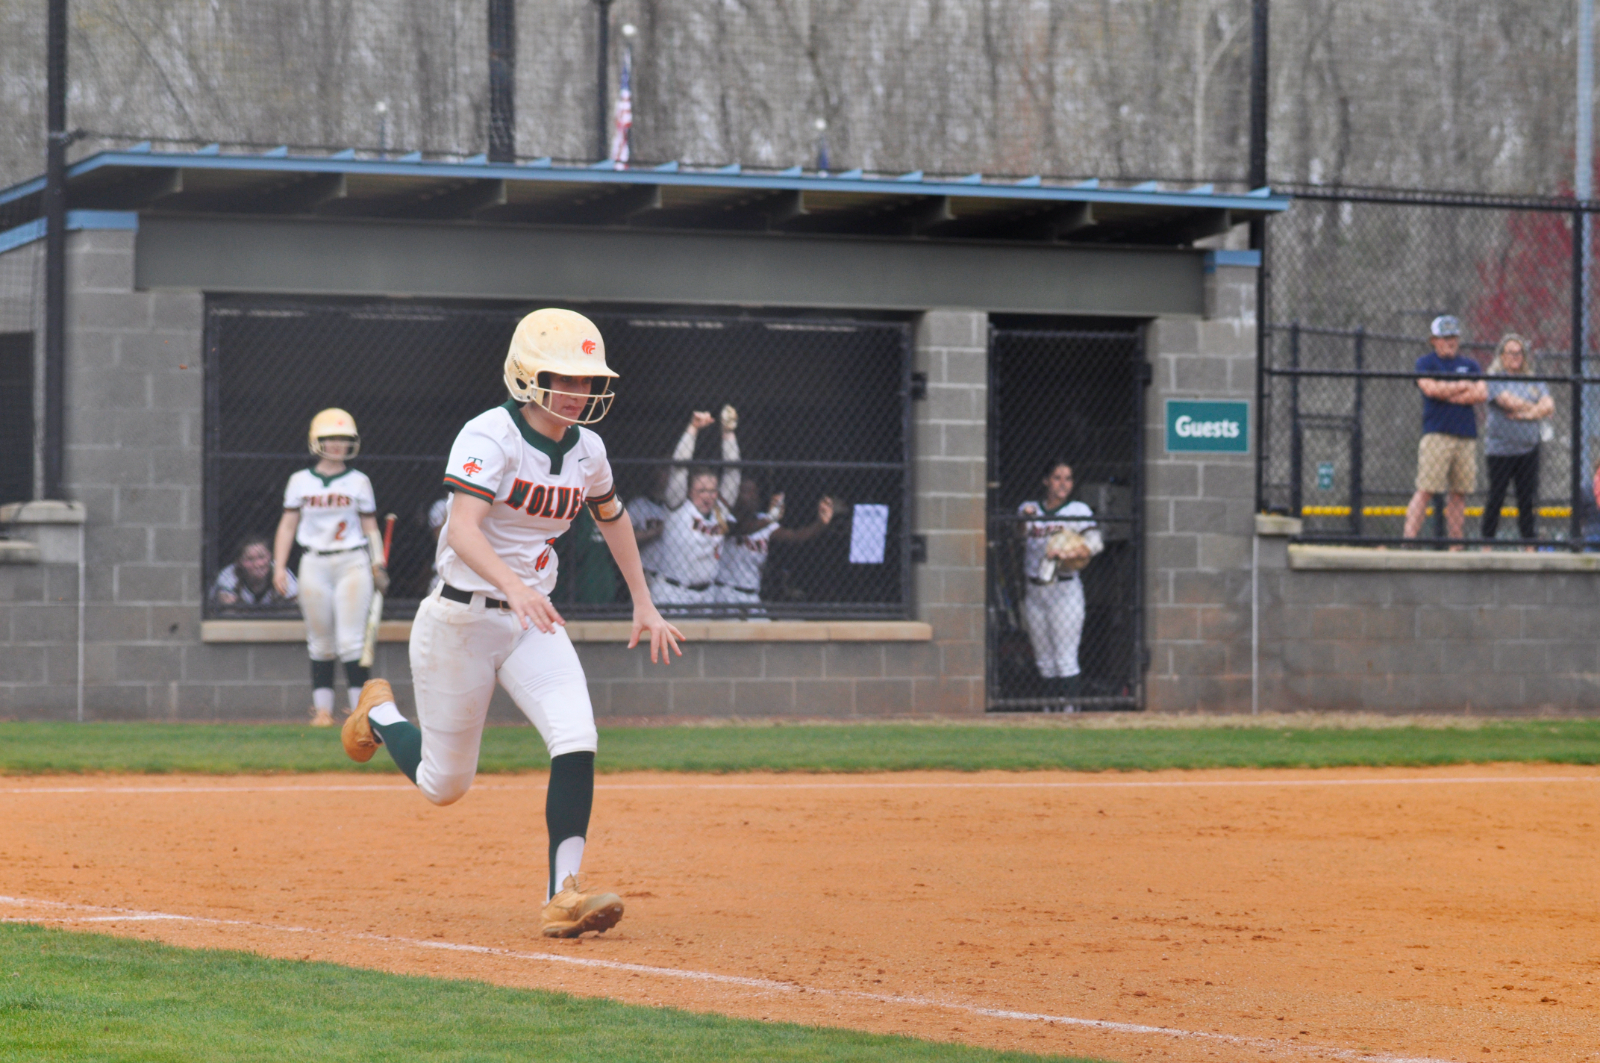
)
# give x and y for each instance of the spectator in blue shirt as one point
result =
(1447, 455)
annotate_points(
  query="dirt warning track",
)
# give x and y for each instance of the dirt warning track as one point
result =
(1445, 914)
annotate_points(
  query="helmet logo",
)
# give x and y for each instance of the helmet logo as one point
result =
(588, 346)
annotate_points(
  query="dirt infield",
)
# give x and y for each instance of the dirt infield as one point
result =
(1442, 914)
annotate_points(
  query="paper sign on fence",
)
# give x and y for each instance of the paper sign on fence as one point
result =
(868, 530)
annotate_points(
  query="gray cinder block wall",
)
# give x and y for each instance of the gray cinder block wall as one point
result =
(1199, 508)
(1428, 632)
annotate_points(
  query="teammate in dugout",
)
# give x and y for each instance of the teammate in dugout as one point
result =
(519, 473)
(750, 535)
(329, 509)
(697, 518)
(1053, 605)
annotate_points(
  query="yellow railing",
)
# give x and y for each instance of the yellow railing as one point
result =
(1553, 512)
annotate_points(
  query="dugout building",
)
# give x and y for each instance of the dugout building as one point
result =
(914, 348)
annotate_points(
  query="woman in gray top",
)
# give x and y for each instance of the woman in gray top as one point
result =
(1517, 412)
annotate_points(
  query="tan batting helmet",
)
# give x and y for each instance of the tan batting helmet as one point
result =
(333, 423)
(562, 343)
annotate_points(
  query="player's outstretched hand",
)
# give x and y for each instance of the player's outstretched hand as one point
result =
(701, 419)
(664, 637)
(531, 607)
(825, 509)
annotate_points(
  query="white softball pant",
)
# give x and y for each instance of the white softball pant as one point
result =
(1055, 626)
(457, 653)
(335, 591)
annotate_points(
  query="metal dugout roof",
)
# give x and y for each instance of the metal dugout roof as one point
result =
(668, 197)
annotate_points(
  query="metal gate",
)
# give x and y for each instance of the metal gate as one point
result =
(1072, 397)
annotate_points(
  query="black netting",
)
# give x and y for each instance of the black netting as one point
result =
(1354, 286)
(821, 414)
(1072, 640)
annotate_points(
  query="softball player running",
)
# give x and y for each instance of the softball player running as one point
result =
(330, 511)
(520, 473)
(1053, 606)
(694, 530)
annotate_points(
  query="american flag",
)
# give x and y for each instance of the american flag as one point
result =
(623, 121)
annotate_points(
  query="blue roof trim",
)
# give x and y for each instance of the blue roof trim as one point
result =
(77, 221)
(1257, 201)
(1248, 259)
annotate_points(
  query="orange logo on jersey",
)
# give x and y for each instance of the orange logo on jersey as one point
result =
(471, 466)
(588, 346)
(544, 558)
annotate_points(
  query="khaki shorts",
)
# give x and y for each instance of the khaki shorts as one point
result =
(1447, 464)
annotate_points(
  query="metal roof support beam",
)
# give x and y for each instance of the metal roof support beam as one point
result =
(626, 203)
(298, 197)
(465, 200)
(929, 214)
(1188, 229)
(140, 188)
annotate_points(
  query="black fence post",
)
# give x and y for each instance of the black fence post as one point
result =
(1295, 432)
(1579, 340)
(1356, 441)
(502, 81)
(602, 77)
(55, 253)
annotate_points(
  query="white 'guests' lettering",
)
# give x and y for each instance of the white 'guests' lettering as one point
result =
(1189, 428)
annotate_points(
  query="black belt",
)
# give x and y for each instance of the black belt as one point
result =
(341, 550)
(456, 594)
(1037, 582)
(741, 590)
(688, 586)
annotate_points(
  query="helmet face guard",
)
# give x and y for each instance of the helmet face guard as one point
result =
(595, 407)
(319, 447)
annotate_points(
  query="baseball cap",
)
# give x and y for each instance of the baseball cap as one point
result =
(1445, 325)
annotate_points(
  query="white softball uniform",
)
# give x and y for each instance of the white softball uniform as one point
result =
(336, 566)
(331, 508)
(1054, 610)
(691, 554)
(691, 542)
(535, 487)
(743, 558)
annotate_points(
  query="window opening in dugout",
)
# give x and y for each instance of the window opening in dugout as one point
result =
(1070, 389)
(824, 408)
(16, 416)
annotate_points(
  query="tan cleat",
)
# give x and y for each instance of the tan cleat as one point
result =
(321, 717)
(572, 911)
(356, 734)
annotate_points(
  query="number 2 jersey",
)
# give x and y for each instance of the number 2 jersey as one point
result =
(331, 508)
(534, 487)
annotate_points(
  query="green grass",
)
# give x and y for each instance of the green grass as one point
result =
(233, 748)
(73, 996)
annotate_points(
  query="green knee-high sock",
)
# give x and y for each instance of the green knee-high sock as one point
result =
(403, 740)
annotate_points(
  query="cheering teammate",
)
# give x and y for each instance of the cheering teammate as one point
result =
(330, 511)
(520, 473)
(750, 535)
(692, 534)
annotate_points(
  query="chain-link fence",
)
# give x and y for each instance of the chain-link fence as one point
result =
(1360, 436)
(1065, 571)
(1471, 94)
(798, 512)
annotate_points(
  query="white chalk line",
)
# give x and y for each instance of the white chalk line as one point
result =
(761, 984)
(1473, 780)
